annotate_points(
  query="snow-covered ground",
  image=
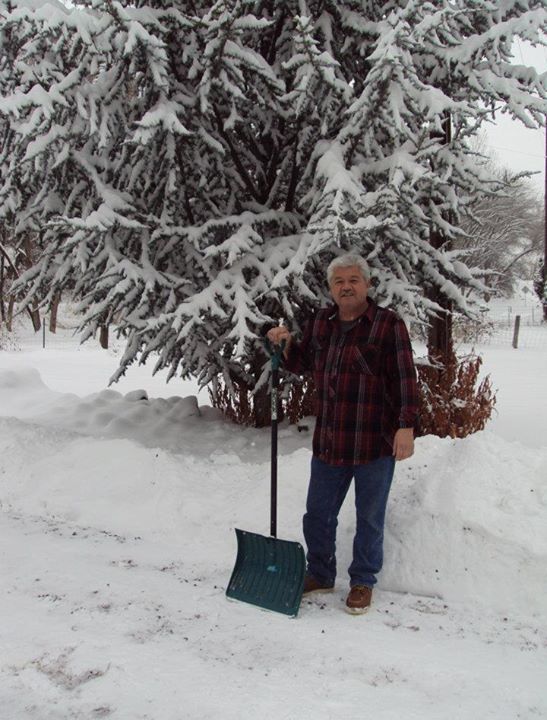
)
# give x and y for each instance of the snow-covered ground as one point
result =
(117, 543)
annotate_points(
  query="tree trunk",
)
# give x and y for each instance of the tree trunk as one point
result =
(440, 347)
(103, 336)
(35, 317)
(53, 314)
(33, 311)
(9, 316)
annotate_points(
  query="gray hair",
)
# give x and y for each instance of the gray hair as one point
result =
(348, 260)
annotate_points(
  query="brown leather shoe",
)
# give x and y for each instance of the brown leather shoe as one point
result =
(312, 585)
(359, 599)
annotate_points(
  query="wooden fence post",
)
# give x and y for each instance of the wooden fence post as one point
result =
(516, 332)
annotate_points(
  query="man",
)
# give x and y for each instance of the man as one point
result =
(361, 360)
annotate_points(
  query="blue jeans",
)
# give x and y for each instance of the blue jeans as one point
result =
(327, 490)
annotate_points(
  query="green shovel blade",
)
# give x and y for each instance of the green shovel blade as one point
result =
(268, 572)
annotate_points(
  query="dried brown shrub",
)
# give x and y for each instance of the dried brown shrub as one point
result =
(297, 400)
(237, 405)
(451, 403)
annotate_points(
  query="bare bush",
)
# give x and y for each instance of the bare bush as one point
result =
(451, 403)
(240, 405)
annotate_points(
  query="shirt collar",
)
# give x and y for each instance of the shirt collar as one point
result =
(369, 313)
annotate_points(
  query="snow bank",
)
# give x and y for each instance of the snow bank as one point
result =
(109, 414)
(468, 521)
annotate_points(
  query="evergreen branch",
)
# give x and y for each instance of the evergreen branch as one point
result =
(291, 190)
(9, 260)
(235, 157)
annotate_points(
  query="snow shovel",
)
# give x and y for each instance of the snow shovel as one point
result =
(269, 572)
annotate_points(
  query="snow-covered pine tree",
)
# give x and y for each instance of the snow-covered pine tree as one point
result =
(17, 244)
(189, 168)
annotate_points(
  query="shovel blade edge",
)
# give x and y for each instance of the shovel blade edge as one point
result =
(268, 572)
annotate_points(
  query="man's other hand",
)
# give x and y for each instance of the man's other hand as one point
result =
(403, 443)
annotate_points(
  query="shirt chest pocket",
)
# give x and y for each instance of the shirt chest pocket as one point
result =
(319, 354)
(367, 359)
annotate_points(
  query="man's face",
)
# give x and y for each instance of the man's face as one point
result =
(349, 288)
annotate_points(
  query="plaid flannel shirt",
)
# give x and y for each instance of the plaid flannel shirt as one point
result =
(365, 381)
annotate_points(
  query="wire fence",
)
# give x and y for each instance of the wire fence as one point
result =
(526, 338)
(517, 330)
(66, 337)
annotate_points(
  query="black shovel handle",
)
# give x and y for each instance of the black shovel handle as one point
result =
(275, 353)
(273, 481)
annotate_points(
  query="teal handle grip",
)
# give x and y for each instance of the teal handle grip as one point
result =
(275, 352)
